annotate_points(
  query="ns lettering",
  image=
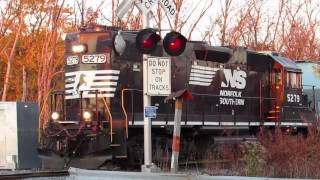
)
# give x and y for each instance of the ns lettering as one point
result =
(235, 79)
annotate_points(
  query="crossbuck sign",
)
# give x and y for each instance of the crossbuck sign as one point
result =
(146, 6)
(169, 7)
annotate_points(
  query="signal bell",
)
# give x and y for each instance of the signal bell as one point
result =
(119, 44)
(146, 40)
(174, 43)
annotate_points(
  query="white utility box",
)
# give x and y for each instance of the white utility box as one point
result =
(18, 135)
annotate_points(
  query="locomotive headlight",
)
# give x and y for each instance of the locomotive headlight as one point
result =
(79, 48)
(55, 116)
(87, 116)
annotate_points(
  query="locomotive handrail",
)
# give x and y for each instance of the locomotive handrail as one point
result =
(124, 109)
(308, 85)
(110, 117)
(295, 107)
(245, 97)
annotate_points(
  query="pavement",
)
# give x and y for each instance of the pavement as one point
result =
(81, 174)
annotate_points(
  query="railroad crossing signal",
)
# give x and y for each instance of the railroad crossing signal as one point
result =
(170, 9)
(174, 43)
(146, 40)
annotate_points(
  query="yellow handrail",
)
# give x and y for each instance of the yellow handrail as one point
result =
(110, 118)
(124, 110)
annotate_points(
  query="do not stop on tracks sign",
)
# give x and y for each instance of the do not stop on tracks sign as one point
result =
(159, 76)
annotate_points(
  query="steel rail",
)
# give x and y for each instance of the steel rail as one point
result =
(35, 174)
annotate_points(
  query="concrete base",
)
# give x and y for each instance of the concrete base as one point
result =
(150, 168)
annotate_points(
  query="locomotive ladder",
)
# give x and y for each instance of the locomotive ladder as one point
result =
(274, 113)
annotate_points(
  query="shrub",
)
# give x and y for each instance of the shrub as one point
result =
(291, 156)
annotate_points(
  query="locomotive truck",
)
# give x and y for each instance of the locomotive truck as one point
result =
(98, 116)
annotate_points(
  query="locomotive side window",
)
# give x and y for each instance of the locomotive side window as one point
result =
(299, 80)
(294, 80)
(276, 77)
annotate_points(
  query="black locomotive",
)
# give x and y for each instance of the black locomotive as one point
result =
(99, 115)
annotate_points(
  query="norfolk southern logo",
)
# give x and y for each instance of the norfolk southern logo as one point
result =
(88, 82)
(203, 76)
(235, 81)
(231, 86)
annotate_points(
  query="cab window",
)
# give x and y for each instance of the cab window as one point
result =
(276, 77)
(294, 80)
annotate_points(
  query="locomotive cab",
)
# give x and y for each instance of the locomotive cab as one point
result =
(286, 89)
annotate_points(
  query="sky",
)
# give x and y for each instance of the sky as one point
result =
(270, 7)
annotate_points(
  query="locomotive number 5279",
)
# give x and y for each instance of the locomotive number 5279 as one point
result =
(94, 59)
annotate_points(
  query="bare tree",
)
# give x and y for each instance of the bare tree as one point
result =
(48, 58)
(226, 9)
(24, 84)
(11, 57)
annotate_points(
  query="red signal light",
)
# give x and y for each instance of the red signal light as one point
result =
(174, 43)
(147, 43)
(146, 40)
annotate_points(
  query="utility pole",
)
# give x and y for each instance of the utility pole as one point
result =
(148, 166)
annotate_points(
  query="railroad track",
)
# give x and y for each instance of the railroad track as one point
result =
(36, 174)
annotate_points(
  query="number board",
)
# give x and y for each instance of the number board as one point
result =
(94, 59)
(293, 98)
(159, 76)
(72, 60)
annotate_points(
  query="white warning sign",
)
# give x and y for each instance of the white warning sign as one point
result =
(159, 76)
